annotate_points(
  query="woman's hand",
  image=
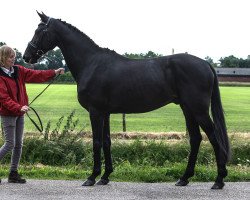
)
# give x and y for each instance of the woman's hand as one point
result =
(25, 109)
(59, 71)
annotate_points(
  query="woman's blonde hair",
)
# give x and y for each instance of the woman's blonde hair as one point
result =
(5, 52)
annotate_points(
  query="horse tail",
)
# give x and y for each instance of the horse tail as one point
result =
(219, 119)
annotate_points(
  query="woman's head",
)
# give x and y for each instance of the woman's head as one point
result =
(7, 56)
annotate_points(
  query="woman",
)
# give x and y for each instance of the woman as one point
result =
(14, 104)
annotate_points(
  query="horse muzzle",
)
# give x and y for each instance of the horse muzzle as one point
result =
(29, 59)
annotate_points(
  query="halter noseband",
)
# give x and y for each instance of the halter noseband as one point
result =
(39, 52)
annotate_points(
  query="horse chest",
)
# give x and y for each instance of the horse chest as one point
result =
(92, 97)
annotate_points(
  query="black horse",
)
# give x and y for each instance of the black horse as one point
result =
(110, 83)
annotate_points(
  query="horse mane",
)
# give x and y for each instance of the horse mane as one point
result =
(70, 26)
(77, 30)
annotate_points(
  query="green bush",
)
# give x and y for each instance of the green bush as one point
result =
(65, 78)
(56, 147)
(156, 153)
(141, 153)
(240, 153)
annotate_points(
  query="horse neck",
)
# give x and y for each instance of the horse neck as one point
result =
(77, 49)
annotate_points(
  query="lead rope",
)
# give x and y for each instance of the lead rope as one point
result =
(40, 126)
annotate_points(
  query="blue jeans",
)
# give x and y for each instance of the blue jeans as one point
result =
(13, 135)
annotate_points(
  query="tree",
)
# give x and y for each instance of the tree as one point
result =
(2, 43)
(54, 59)
(244, 63)
(210, 61)
(230, 61)
(51, 60)
(149, 54)
(132, 56)
(19, 58)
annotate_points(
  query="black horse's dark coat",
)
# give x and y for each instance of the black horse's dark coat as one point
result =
(110, 83)
(136, 86)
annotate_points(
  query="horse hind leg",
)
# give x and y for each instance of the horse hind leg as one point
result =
(208, 127)
(195, 140)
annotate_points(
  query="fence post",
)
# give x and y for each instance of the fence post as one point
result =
(123, 122)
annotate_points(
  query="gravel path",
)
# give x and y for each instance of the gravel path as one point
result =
(59, 189)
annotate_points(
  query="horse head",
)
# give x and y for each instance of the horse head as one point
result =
(43, 40)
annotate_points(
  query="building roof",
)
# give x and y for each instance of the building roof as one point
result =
(232, 71)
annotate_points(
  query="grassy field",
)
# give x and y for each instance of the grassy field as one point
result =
(61, 100)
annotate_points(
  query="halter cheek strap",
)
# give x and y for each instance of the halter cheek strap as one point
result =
(39, 51)
(47, 23)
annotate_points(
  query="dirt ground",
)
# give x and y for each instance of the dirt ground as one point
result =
(164, 135)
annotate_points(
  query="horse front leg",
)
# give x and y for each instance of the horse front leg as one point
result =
(97, 122)
(107, 153)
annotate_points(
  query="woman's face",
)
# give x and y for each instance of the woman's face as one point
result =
(10, 60)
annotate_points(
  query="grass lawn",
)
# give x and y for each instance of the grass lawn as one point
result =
(60, 100)
(130, 173)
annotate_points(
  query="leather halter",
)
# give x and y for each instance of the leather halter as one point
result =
(39, 52)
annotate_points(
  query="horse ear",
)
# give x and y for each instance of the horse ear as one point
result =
(43, 17)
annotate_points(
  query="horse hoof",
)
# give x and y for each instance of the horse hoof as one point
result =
(89, 182)
(218, 186)
(181, 182)
(103, 182)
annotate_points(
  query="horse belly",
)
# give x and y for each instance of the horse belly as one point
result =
(140, 101)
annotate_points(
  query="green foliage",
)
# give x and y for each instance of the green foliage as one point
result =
(210, 61)
(149, 54)
(19, 58)
(65, 78)
(240, 153)
(69, 149)
(230, 61)
(234, 62)
(2, 43)
(149, 152)
(53, 59)
(58, 147)
(155, 153)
